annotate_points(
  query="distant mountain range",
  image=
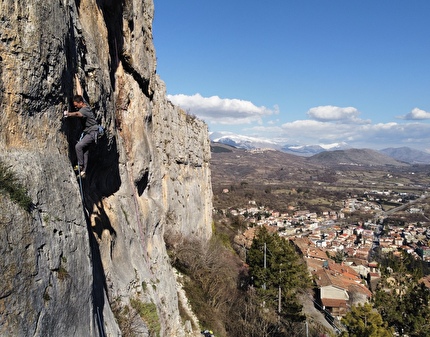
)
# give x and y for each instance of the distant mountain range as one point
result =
(355, 157)
(402, 154)
(408, 155)
(245, 142)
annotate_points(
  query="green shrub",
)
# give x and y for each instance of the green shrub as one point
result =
(9, 185)
(127, 319)
(148, 312)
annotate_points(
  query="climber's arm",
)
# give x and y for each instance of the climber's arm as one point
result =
(78, 104)
(72, 114)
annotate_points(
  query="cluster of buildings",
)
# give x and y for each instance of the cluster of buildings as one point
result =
(339, 285)
(320, 237)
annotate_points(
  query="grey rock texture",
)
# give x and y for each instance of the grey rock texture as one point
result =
(72, 262)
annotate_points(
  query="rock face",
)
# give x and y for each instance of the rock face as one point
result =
(74, 262)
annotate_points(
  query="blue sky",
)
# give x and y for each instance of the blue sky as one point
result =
(302, 71)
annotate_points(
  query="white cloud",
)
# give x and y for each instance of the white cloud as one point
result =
(326, 124)
(222, 110)
(416, 114)
(273, 122)
(330, 113)
(375, 136)
(317, 131)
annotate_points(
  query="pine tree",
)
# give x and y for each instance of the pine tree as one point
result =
(404, 303)
(278, 273)
(364, 321)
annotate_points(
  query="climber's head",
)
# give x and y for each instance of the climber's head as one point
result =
(78, 101)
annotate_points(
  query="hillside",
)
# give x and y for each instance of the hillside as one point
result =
(231, 164)
(355, 157)
(281, 180)
(408, 155)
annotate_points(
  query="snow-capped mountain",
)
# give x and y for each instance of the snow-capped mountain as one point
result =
(405, 154)
(244, 142)
(309, 150)
(249, 143)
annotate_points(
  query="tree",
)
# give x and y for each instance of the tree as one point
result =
(364, 321)
(278, 273)
(248, 318)
(403, 302)
(339, 257)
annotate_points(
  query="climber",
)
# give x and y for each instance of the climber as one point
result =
(90, 132)
(207, 333)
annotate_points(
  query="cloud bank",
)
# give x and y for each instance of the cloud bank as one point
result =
(324, 124)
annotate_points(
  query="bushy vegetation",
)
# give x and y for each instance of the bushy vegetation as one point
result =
(127, 319)
(401, 299)
(130, 318)
(399, 306)
(148, 312)
(364, 321)
(211, 280)
(10, 185)
(258, 296)
(227, 295)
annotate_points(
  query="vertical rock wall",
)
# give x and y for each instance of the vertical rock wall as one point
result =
(72, 262)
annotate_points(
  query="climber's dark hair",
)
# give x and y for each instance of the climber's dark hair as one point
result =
(78, 99)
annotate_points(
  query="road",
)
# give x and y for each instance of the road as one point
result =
(404, 206)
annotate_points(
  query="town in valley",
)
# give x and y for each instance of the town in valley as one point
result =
(339, 218)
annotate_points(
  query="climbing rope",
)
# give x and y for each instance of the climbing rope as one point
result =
(96, 314)
(80, 187)
(99, 323)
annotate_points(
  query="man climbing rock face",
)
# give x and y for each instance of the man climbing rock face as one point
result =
(89, 134)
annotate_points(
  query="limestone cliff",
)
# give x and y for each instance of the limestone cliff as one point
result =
(75, 260)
